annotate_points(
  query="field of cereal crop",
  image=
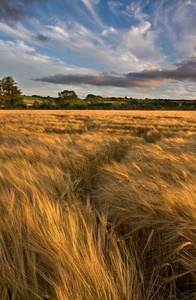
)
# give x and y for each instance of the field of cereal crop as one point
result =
(97, 205)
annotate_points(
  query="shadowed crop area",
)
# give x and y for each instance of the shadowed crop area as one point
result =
(97, 205)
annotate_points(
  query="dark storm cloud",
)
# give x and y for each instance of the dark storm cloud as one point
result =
(183, 71)
(12, 11)
(42, 38)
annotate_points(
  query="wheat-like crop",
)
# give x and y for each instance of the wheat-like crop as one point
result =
(97, 205)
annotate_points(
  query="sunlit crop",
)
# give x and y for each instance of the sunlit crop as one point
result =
(97, 205)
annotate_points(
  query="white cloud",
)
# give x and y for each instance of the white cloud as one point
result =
(14, 47)
(90, 5)
(115, 6)
(59, 30)
(141, 42)
(185, 22)
(21, 46)
(119, 50)
(179, 91)
(18, 32)
(178, 24)
(22, 63)
(109, 31)
(107, 48)
(134, 9)
(190, 2)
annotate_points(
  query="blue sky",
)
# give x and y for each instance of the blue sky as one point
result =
(143, 48)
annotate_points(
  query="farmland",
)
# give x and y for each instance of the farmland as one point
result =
(97, 205)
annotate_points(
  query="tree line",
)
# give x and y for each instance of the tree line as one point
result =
(11, 97)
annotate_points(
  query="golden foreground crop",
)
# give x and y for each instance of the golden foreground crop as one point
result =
(97, 205)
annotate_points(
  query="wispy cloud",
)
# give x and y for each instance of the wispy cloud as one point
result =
(109, 31)
(115, 6)
(90, 5)
(114, 49)
(105, 48)
(22, 62)
(16, 32)
(185, 23)
(182, 71)
(177, 24)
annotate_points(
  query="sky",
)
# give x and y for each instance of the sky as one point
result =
(139, 48)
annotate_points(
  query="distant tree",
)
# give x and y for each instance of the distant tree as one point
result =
(66, 96)
(45, 105)
(51, 99)
(9, 92)
(89, 96)
(20, 105)
(94, 99)
(35, 104)
(68, 99)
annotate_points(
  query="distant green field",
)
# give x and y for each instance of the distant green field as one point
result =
(29, 100)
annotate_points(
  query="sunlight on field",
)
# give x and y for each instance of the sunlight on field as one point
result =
(118, 122)
(97, 205)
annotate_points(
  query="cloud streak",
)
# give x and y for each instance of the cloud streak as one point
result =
(182, 71)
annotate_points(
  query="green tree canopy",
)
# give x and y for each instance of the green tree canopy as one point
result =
(69, 99)
(67, 96)
(94, 99)
(10, 94)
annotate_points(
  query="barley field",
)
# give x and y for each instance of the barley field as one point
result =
(97, 205)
